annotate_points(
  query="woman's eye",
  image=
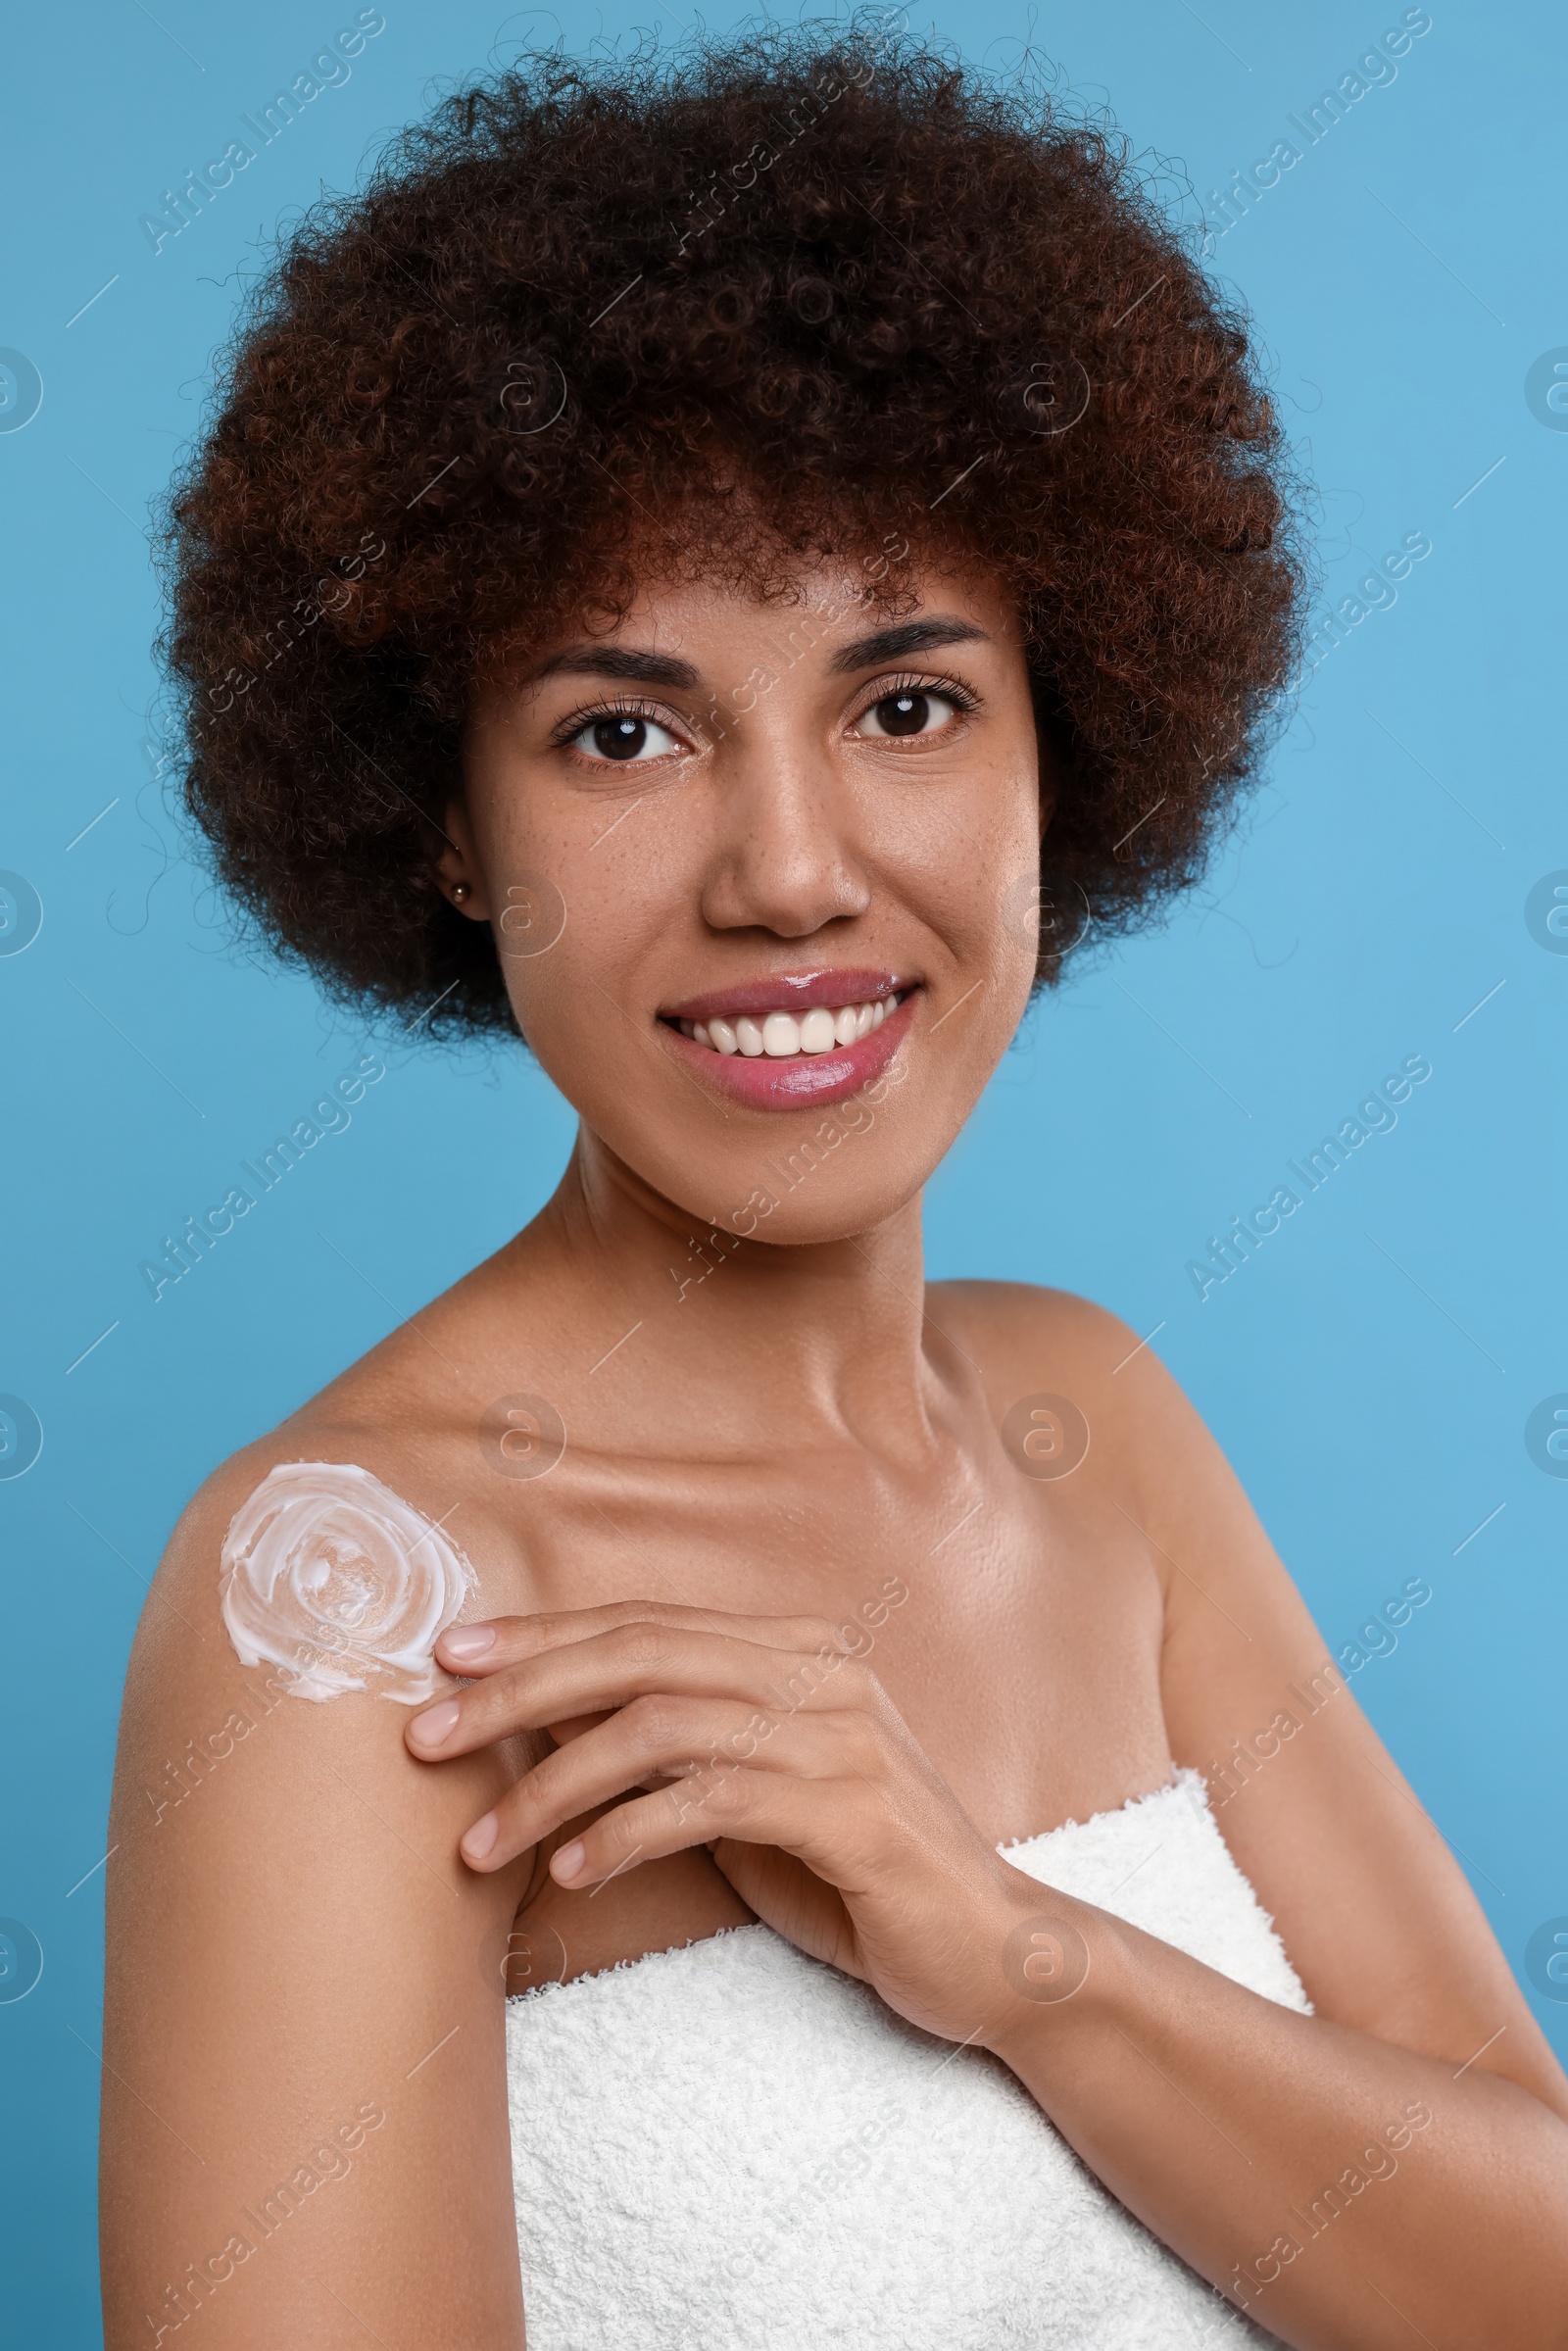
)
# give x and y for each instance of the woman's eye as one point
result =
(907, 714)
(624, 737)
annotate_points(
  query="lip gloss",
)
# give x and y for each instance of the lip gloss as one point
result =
(804, 1079)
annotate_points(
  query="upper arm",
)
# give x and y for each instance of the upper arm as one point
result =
(304, 2091)
(1372, 1906)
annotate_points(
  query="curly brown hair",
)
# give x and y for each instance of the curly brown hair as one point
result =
(878, 292)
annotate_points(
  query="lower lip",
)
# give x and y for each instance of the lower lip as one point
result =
(803, 1080)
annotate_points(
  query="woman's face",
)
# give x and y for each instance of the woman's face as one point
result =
(763, 879)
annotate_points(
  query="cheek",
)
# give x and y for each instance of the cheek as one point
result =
(581, 896)
(567, 991)
(978, 888)
(615, 890)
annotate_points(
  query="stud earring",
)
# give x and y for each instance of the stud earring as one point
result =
(459, 891)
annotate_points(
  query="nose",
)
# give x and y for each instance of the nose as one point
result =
(783, 859)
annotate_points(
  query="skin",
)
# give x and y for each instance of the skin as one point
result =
(782, 1467)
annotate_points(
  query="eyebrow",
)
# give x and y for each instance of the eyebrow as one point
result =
(909, 636)
(630, 661)
(638, 665)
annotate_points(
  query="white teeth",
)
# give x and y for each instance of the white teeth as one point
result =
(781, 1036)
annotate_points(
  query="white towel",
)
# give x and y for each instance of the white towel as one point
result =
(732, 2147)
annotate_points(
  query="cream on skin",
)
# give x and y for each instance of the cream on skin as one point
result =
(328, 1573)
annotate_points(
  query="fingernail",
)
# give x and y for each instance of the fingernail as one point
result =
(468, 1640)
(481, 1836)
(566, 1863)
(437, 1723)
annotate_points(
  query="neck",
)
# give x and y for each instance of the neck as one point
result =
(829, 1333)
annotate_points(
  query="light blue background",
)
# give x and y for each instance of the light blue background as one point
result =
(1370, 1372)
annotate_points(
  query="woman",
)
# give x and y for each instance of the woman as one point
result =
(730, 572)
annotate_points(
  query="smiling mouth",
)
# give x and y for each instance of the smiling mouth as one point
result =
(797, 1041)
(780, 1035)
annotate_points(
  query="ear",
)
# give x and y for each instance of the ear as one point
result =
(458, 872)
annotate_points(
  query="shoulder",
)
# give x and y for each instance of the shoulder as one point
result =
(290, 1931)
(385, 1469)
(1372, 1908)
(406, 1422)
(1027, 1340)
(280, 1549)
(1015, 1319)
(293, 1616)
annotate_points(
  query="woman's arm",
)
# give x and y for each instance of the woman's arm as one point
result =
(305, 2132)
(1349, 2192)
(1258, 2142)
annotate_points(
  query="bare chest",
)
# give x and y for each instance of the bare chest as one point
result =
(1018, 1631)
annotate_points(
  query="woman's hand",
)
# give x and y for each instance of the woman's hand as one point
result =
(767, 1739)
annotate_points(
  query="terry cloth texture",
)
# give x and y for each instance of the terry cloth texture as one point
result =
(732, 2147)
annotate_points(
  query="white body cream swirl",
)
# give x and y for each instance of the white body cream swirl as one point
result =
(326, 1573)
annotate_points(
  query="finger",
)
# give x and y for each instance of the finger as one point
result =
(563, 1733)
(491, 1644)
(738, 1801)
(684, 1740)
(632, 1660)
(820, 1822)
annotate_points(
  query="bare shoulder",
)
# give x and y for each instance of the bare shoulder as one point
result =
(1153, 1445)
(302, 2029)
(384, 1462)
(1373, 1908)
(1028, 1340)
(1025, 1315)
(1060, 1369)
